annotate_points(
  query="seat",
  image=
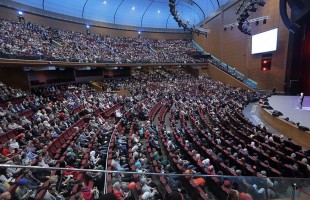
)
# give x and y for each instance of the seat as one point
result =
(168, 189)
(57, 144)
(11, 134)
(3, 139)
(163, 180)
(40, 195)
(202, 194)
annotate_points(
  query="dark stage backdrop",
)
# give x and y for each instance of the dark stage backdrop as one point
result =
(305, 61)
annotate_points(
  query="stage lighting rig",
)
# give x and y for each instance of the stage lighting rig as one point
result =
(243, 13)
(185, 24)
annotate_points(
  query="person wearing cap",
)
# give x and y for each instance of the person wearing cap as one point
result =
(132, 194)
(21, 191)
(233, 194)
(5, 196)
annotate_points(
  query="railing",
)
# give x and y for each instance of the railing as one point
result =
(221, 187)
(228, 69)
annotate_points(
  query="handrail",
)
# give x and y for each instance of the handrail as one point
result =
(40, 63)
(139, 173)
(106, 162)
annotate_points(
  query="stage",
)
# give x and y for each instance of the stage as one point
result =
(290, 107)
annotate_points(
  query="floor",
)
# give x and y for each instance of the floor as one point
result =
(289, 106)
(251, 112)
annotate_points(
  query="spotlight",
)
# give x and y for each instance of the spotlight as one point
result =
(139, 32)
(257, 23)
(261, 2)
(264, 21)
(252, 9)
(87, 26)
(245, 15)
(20, 16)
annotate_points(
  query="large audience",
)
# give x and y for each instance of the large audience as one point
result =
(37, 42)
(206, 134)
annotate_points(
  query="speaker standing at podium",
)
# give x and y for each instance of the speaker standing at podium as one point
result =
(301, 99)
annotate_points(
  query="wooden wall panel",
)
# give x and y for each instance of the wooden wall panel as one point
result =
(299, 137)
(221, 76)
(212, 42)
(14, 77)
(234, 47)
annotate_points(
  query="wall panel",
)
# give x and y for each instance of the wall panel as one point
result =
(234, 47)
(14, 77)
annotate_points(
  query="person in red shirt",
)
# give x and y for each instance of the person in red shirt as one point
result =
(6, 152)
(86, 191)
(118, 193)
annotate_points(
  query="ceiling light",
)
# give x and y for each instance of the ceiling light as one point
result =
(133, 8)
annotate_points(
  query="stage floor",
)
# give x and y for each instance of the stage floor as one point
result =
(289, 106)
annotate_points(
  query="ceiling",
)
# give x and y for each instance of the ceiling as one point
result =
(139, 13)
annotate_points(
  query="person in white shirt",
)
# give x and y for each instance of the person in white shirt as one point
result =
(13, 126)
(52, 194)
(13, 144)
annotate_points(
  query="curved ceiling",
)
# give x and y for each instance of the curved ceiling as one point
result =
(139, 13)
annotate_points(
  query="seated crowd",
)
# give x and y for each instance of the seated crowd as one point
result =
(171, 122)
(37, 42)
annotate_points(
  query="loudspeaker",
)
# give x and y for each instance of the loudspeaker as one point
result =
(303, 128)
(276, 113)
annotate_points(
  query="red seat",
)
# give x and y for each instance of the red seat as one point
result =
(163, 180)
(57, 144)
(61, 139)
(40, 195)
(168, 189)
(202, 194)
(3, 139)
(11, 134)
(52, 149)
